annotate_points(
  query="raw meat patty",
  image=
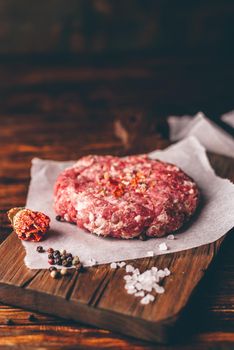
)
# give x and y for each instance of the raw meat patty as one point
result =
(124, 197)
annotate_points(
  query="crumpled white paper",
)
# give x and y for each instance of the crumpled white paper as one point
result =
(213, 219)
(228, 118)
(211, 136)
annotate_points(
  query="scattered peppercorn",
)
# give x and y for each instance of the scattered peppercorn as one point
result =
(62, 258)
(54, 274)
(31, 318)
(40, 249)
(143, 237)
(56, 253)
(58, 262)
(75, 260)
(9, 322)
(63, 271)
(51, 261)
(50, 250)
(55, 261)
(52, 268)
(80, 268)
(58, 217)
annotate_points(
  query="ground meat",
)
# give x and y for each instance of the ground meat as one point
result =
(124, 197)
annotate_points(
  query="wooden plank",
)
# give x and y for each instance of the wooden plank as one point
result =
(13, 270)
(97, 297)
(186, 268)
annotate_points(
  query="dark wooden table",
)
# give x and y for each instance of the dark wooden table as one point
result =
(62, 110)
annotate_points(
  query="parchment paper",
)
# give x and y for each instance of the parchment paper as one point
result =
(212, 137)
(228, 118)
(213, 220)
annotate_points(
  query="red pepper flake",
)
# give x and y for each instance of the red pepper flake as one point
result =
(134, 182)
(119, 190)
(29, 225)
(118, 186)
(113, 181)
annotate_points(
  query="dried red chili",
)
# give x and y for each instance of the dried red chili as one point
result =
(29, 225)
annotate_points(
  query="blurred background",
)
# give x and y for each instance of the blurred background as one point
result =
(105, 60)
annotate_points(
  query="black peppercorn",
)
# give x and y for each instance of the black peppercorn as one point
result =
(31, 318)
(58, 261)
(51, 261)
(143, 237)
(40, 249)
(9, 322)
(80, 268)
(52, 268)
(58, 217)
(69, 259)
(50, 250)
(56, 254)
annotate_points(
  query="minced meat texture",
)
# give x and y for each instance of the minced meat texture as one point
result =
(124, 197)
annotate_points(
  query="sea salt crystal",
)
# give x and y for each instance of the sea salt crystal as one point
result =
(121, 264)
(163, 246)
(170, 237)
(150, 253)
(134, 277)
(131, 291)
(148, 288)
(129, 268)
(127, 277)
(150, 297)
(129, 286)
(168, 272)
(145, 301)
(136, 272)
(154, 269)
(138, 284)
(113, 265)
(161, 273)
(159, 289)
(140, 294)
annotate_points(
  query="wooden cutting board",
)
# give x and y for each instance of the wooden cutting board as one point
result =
(97, 296)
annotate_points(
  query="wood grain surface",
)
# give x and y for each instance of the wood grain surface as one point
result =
(95, 26)
(97, 295)
(33, 123)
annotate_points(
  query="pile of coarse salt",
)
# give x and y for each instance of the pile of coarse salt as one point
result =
(143, 284)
